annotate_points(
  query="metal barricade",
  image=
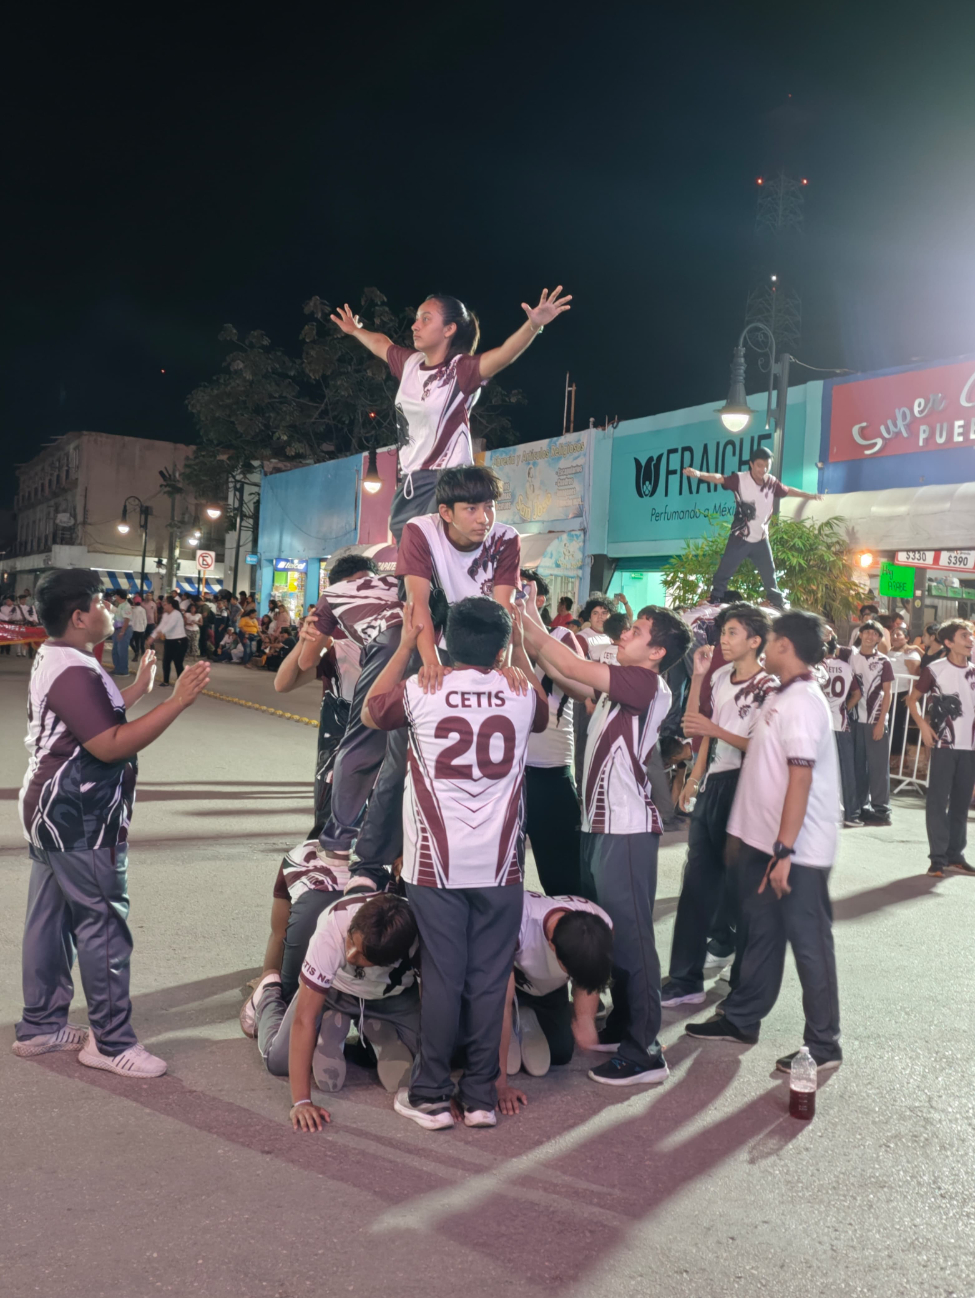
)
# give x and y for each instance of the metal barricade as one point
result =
(906, 768)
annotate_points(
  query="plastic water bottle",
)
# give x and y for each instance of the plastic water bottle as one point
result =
(802, 1086)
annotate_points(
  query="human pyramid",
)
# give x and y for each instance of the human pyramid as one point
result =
(406, 918)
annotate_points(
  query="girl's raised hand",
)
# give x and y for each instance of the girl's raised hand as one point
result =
(549, 306)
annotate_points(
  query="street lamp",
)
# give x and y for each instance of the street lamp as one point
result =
(124, 527)
(735, 414)
(372, 482)
(213, 511)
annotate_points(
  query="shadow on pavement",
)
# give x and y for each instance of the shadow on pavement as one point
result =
(911, 888)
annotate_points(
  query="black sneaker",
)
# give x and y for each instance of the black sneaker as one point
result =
(961, 866)
(620, 1072)
(719, 1028)
(937, 869)
(784, 1065)
(876, 818)
(671, 993)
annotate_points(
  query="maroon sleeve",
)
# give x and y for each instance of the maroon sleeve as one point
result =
(633, 688)
(705, 699)
(540, 720)
(413, 558)
(79, 698)
(887, 671)
(778, 489)
(730, 482)
(571, 641)
(323, 619)
(925, 681)
(508, 570)
(281, 892)
(396, 359)
(387, 709)
(468, 373)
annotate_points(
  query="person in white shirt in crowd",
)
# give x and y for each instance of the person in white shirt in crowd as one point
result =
(871, 742)
(839, 684)
(621, 828)
(786, 814)
(122, 635)
(755, 494)
(866, 613)
(439, 382)
(594, 640)
(948, 730)
(6, 615)
(138, 622)
(905, 661)
(193, 620)
(171, 629)
(738, 691)
(359, 968)
(463, 843)
(561, 938)
(13, 611)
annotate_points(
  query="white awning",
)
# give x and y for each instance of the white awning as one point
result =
(899, 518)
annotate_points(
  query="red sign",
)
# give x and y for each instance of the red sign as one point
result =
(898, 414)
(205, 559)
(21, 633)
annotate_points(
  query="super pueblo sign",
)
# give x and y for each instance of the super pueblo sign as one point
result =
(901, 428)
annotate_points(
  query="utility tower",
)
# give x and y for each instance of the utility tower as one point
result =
(774, 299)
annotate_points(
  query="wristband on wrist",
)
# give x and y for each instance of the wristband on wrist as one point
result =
(539, 330)
(780, 851)
(297, 1102)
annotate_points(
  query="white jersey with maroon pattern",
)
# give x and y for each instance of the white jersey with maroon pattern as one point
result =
(427, 551)
(363, 608)
(839, 683)
(735, 705)
(433, 409)
(463, 802)
(537, 971)
(556, 746)
(872, 671)
(951, 707)
(753, 504)
(303, 870)
(592, 640)
(622, 731)
(325, 965)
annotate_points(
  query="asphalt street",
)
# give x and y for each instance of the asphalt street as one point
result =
(195, 1183)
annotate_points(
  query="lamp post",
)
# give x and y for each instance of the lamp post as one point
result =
(124, 528)
(735, 414)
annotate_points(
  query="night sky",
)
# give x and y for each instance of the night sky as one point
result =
(168, 170)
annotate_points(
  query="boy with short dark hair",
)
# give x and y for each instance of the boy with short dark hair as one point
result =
(948, 730)
(786, 813)
(871, 742)
(621, 827)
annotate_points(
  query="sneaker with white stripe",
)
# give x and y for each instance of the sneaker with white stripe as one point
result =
(134, 1062)
(70, 1037)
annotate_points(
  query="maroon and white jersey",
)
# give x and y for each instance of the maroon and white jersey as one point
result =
(592, 641)
(735, 705)
(433, 409)
(838, 684)
(872, 671)
(555, 746)
(622, 731)
(951, 708)
(463, 801)
(303, 870)
(427, 551)
(70, 801)
(325, 965)
(701, 621)
(363, 608)
(537, 971)
(753, 504)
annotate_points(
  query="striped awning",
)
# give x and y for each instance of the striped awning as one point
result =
(127, 582)
(190, 586)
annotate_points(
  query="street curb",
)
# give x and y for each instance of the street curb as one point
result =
(259, 707)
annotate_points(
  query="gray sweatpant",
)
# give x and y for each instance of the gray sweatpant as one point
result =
(467, 949)
(951, 780)
(803, 918)
(275, 1016)
(622, 870)
(735, 554)
(871, 759)
(78, 902)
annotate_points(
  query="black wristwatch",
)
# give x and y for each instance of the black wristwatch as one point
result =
(780, 851)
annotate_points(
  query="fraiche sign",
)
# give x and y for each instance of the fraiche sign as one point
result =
(902, 414)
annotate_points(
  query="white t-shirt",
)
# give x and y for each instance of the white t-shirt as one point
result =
(872, 671)
(701, 622)
(171, 626)
(427, 551)
(537, 971)
(464, 795)
(138, 620)
(839, 683)
(604, 653)
(555, 746)
(363, 607)
(622, 731)
(903, 679)
(735, 705)
(325, 964)
(433, 409)
(753, 504)
(951, 708)
(592, 641)
(794, 729)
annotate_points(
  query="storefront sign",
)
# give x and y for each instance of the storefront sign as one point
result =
(896, 582)
(943, 560)
(251, 558)
(290, 565)
(542, 481)
(901, 414)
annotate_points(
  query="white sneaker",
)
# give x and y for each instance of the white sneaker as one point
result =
(536, 1056)
(433, 1117)
(248, 1011)
(328, 1061)
(393, 1059)
(712, 961)
(70, 1037)
(134, 1062)
(480, 1118)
